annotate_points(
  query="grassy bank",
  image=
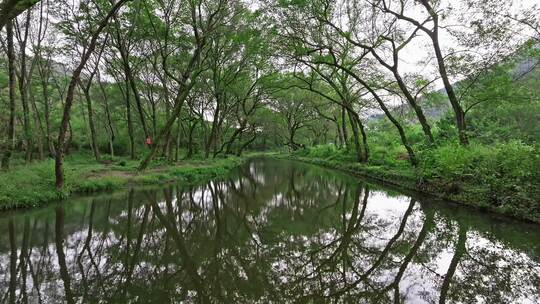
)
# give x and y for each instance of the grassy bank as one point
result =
(504, 189)
(32, 185)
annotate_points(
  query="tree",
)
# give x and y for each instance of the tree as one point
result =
(202, 26)
(71, 92)
(383, 38)
(319, 47)
(11, 87)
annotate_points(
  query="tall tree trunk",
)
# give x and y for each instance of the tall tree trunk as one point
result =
(364, 138)
(39, 124)
(86, 90)
(110, 127)
(292, 133)
(213, 131)
(339, 135)
(130, 122)
(403, 137)
(133, 86)
(24, 81)
(456, 106)
(44, 69)
(165, 148)
(178, 138)
(416, 107)
(70, 138)
(128, 73)
(47, 114)
(237, 132)
(458, 110)
(189, 153)
(89, 108)
(344, 127)
(59, 172)
(356, 138)
(404, 89)
(11, 72)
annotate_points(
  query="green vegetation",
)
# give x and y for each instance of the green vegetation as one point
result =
(33, 185)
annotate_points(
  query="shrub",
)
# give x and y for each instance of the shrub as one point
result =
(515, 159)
(453, 160)
(322, 151)
(506, 161)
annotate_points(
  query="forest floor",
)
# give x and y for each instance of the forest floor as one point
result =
(483, 197)
(33, 185)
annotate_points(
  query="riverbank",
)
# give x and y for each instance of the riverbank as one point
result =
(483, 197)
(26, 186)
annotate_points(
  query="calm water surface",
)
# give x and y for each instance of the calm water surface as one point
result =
(271, 232)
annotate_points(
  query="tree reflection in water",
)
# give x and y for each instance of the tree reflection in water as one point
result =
(273, 231)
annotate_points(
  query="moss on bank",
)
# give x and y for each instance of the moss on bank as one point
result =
(32, 185)
(472, 194)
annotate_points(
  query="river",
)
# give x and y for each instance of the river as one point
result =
(272, 231)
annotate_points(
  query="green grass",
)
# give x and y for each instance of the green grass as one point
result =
(32, 185)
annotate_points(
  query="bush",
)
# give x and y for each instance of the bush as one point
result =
(505, 161)
(321, 151)
(388, 156)
(516, 159)
(452, 160)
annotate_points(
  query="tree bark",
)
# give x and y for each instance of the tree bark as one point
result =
(38, 123)
(89, 108)
(356, 138)
(130, 122)
(11, 71)
(246, 144)
(110, 126)
(44, 75)
(213, 130)
(190, 150)
(132, 84)
(364, 138)
(24, 81)
(344, 128)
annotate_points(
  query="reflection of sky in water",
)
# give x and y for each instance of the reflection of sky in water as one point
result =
(289, 232)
